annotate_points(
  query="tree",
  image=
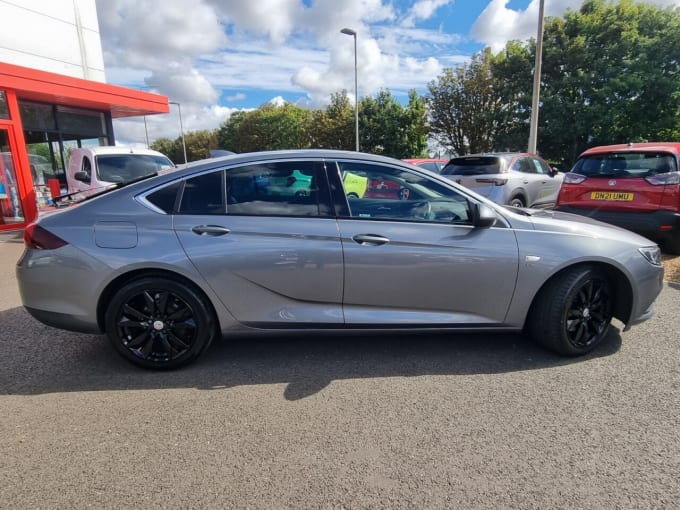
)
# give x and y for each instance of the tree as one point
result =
(465, 107)
(198, 144)
(386, 127)
(269, 127)
(611, 75)
(333, 128)
(167, 147)
(228, 134)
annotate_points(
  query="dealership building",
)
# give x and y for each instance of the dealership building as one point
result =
(53, 98)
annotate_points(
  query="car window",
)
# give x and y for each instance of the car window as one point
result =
(475, 165)
(87, 167)
(290, 188)
(165, 198)
(128, 167)
(203, 194)
(432, 166)
(625, 165)
(388, 193)
(523, 165)
(539, 166)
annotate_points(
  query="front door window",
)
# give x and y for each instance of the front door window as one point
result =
(10, 205)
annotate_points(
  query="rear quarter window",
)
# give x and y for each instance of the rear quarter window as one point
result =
(165, 198)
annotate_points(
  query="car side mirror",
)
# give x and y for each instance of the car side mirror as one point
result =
(483, 216)
(82, 177)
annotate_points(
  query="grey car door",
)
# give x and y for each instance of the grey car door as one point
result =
(419, 260)
(550, 182)
(273, 259)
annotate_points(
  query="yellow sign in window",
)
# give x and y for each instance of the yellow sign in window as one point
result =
(611, 195)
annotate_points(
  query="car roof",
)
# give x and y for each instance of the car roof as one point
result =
(507, 156)
(110, 149)
(424, 160)
(673, 147)
(241, 158)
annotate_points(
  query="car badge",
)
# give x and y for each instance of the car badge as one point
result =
(612, 182)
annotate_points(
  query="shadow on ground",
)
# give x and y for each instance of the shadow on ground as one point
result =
(38, 359)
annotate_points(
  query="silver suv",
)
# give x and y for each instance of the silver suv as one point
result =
(508, 178)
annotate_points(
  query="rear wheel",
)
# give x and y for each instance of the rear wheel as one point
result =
(572, 314)
(517, 202)
(159, 323)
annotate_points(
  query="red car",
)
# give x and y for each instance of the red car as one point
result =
(432, 164)
(635, 186)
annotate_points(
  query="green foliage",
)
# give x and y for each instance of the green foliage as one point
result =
(610, 74)
(333, 128)
(387, 128)
(466, 111)
(172, 149)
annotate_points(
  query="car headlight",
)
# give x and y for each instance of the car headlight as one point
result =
(652, 254)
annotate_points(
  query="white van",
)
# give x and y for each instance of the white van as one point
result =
(93, 169)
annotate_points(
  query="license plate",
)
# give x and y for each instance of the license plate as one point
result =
(611, 195)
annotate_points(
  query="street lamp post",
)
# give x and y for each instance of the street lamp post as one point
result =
(349, 31)
(533, 127)
(181, 128)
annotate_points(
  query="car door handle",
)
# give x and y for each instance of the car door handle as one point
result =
(210, 230)
(370, 239)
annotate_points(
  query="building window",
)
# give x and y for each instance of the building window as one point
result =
(37, 116)
(4, 110)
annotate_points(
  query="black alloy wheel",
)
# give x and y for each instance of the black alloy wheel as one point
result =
(572, 313)
(589, 313)
(159, 323)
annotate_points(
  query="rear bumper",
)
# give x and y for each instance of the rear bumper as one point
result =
(647, 224)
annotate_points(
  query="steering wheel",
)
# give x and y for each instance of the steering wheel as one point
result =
(423, 210)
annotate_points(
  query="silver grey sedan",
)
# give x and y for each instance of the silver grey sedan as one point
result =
(166, 265)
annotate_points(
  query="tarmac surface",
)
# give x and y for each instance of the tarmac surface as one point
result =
(471, 421)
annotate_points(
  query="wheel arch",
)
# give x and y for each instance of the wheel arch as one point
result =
(120, 281)
(521, 194)
(622, 288)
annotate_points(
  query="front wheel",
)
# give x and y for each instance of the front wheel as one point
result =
(571, 315)
(159, 323)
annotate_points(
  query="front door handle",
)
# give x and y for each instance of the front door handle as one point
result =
(210, 230)
(370, 239)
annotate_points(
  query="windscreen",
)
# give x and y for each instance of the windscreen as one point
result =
(625, 164)
(482, 165)
(128, 167)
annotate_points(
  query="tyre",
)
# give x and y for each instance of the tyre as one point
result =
(516, 202)
(572, 314)
(159, 323)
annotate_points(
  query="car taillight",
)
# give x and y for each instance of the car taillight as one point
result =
(571, 178)
(664, 179)
(495, 182)
(38, 238)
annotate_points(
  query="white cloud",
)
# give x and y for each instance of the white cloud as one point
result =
(422, 10)
(497, 24)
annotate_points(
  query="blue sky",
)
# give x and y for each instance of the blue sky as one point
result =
(215, 57)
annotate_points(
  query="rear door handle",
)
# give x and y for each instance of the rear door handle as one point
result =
(210, 230)
(370, 239)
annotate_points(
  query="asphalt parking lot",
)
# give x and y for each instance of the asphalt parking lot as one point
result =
(473, 421)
